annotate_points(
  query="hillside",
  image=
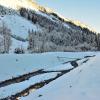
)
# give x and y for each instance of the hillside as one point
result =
(45, 56)
(34, 28)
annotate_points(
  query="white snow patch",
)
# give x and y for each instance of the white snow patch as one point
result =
(83, 83)
(24, 63)
(18, 87)
(19, 25)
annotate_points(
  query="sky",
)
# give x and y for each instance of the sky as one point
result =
(85, 11)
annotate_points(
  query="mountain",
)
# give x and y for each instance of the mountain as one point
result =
(33, 28)
(26, 27)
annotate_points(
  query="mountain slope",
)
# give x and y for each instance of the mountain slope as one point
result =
(26, 17)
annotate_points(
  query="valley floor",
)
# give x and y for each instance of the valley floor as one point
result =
(50, 76)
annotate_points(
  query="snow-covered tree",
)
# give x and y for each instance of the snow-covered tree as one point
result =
(31, 39)
(57, 34)
(6, 38)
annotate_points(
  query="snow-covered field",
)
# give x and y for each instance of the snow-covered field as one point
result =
(76, 83)
(83, 83)
(20, 64)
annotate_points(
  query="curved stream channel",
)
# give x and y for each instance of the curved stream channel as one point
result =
(40, 84)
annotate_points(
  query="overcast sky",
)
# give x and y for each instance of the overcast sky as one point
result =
(86, 11)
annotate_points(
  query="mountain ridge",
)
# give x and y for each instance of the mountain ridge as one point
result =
(61, 34)
(35, 6)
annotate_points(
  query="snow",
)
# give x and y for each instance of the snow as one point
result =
(14, 88)
(66, 25)
(19, 26)
(82, 83)
(28, 4)
(20, 64)
(18, 44)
